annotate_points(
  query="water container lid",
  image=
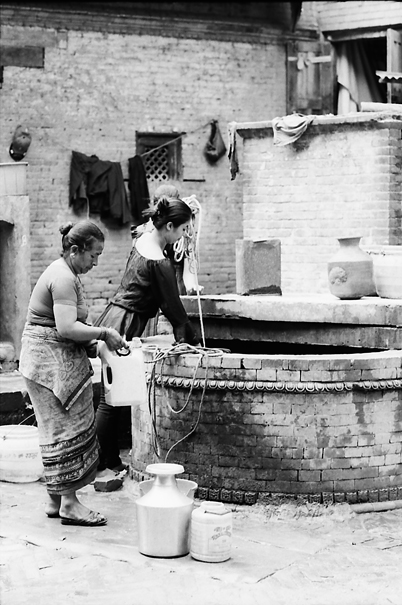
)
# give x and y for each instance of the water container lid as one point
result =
(164, 468)
(217, 508)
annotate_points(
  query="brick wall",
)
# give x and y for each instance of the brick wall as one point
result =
(97, 89)
(342, 176)
(326, 427)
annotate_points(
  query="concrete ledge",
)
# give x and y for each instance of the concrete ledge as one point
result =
(377, 119)
(306, 308)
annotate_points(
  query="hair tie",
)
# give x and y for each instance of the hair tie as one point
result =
(162, 207)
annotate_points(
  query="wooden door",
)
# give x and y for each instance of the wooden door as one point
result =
(394, 65)
(311, 78)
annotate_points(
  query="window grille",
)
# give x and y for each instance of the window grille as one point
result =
(164, 163)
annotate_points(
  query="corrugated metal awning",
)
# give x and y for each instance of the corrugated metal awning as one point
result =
(389, 76)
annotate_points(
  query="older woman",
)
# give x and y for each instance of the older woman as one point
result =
(54, 362)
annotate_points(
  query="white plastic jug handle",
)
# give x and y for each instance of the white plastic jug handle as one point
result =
(106, 383)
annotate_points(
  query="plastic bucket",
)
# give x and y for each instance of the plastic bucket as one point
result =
(20, 457)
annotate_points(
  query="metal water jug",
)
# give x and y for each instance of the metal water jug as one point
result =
(164, 514)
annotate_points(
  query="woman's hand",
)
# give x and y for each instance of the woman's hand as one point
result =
(91, 348)
(114, 341)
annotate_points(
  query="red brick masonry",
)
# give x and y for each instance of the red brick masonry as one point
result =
(322, 428)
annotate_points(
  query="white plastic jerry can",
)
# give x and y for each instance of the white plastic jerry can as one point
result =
(123, 374)
(211, 532)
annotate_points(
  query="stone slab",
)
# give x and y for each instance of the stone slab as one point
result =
(307, 308)
(258, 266)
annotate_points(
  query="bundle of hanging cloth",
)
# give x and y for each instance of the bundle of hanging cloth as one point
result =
(99, 185)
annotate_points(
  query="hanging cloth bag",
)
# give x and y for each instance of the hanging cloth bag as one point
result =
(215, 147)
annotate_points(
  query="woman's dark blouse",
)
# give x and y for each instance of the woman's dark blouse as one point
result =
(148, 285)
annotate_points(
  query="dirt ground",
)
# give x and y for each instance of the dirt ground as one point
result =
(281, 555)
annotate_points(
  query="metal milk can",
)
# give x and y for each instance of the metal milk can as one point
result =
(164, 514)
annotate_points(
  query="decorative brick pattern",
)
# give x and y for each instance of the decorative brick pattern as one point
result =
(329, 442)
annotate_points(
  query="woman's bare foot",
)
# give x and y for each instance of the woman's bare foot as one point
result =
(52, 506)
(72, 509)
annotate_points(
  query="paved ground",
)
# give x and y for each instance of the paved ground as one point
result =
(286, 555)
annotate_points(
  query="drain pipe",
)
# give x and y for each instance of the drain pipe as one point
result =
(375, 507)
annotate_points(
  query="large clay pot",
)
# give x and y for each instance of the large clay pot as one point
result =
(350, 271)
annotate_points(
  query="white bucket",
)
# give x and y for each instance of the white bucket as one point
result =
(20, 457)
(387, 269)
(211, 532)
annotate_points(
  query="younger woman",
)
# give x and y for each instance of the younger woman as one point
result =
(148, 284)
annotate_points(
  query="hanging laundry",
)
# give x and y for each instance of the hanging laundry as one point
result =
(290, 128)
(80, 166)
(119, 207)
(138, 187)
(97, 187)
(232, 155)
(215, 147)
(99, 184)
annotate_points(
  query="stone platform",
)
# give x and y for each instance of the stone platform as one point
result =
(371, 323)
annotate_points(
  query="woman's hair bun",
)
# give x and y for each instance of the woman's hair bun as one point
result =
(162, 207)
(64, 229)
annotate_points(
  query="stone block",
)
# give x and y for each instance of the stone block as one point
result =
(250, 497)
(237, 497)
(214, 494)
(363, 496)
(226, 495)
(258, 266)
(327, 498)
(203, 493)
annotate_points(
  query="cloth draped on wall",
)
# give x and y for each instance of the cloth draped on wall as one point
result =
(288, 129)
(356, 80)
(138, 187)
(232, 154)
(99, 184)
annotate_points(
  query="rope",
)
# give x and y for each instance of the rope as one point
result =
(161, 355)
(175, 139)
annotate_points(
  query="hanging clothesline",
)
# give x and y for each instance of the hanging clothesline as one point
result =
(145, 152)
(175, 139)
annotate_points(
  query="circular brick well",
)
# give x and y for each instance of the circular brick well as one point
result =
(319, 428)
